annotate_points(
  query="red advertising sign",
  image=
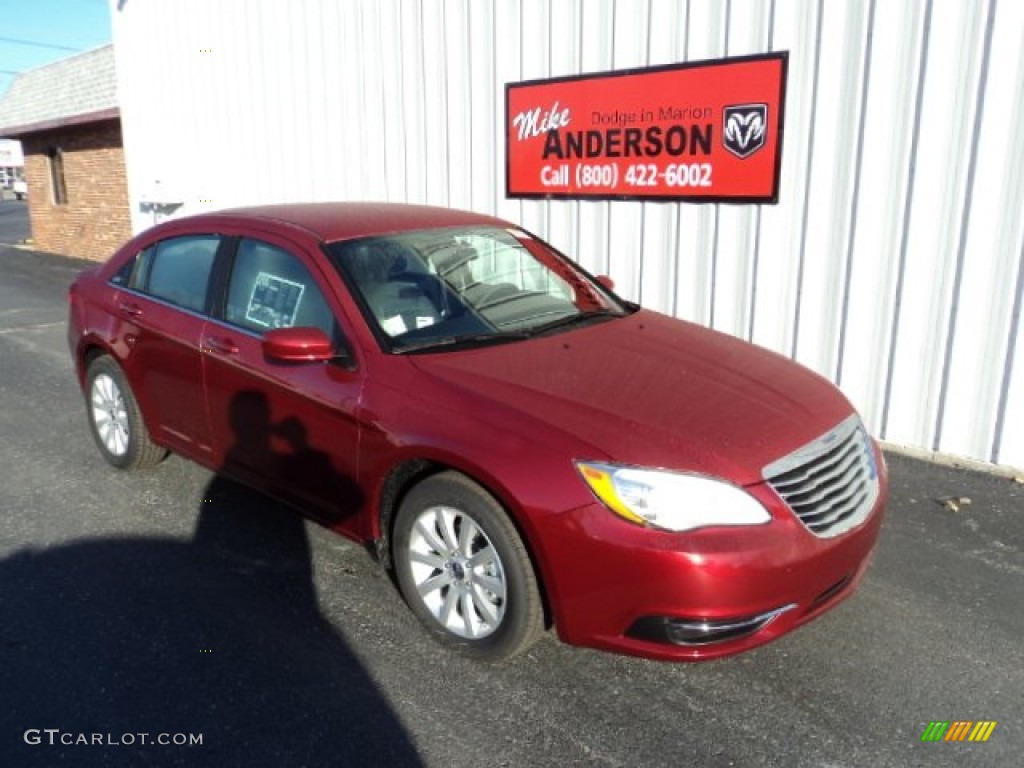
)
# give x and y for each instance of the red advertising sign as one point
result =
(708, 131)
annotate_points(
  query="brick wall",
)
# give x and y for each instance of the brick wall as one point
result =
(95, 220)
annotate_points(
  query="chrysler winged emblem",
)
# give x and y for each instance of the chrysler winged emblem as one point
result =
(744, 128)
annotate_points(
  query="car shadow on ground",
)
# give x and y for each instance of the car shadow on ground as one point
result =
(219, 636)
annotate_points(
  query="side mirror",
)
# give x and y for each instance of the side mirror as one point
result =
(297, 345)
(605, 282)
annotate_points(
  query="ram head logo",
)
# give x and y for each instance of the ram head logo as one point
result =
(744, 128)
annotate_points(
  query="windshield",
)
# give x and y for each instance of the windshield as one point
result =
(442, 287)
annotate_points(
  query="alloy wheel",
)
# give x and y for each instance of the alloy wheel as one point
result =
(110, 414)
(457, 572)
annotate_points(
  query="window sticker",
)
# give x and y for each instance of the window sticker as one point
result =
(274, 301)
(394, 325)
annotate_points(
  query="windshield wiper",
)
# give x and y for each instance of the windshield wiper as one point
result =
(580, 318)
(466, 339)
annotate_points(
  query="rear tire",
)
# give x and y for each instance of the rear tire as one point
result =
(115, 419)
(464, 571)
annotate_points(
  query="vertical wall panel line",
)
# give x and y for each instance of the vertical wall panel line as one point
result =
(471, 136)
(807, 179)
(607, 204)
(908, 205)
(498, 136)
(425, 184)
(713, 277)
(309, 67)
(716, 207)
(674, 302)
(444, 105)
(686, 36)
(965, 218)
(643, 205)
(1008, 364)
(550, 59)
(383, 106)
(615, 13)
(755, 259)
(759, 210)
(522, 41)
(579, 205)
(401, 100)
(851, 240)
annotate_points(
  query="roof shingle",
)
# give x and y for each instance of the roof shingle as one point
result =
(78, 86)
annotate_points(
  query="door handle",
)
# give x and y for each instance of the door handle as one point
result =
(220, 345)
(130, 310)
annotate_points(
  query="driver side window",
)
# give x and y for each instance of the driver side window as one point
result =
(270, 288)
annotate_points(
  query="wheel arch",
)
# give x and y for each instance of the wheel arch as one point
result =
(92, 348)
(88, 350)
(407, 473)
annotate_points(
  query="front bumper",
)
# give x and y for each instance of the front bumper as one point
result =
(623, 588)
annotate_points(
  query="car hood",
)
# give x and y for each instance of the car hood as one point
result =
(651, 390)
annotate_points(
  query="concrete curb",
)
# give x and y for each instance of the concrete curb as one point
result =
(954, 462)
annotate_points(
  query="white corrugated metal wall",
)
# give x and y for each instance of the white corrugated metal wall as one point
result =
(893, 264)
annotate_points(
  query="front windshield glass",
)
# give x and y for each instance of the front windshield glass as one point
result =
(442, 287)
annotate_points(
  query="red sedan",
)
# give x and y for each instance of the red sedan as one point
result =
(523, 447)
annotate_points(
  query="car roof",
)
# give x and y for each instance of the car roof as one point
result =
(330, 222)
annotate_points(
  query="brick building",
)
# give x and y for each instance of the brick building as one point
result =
(67, 117)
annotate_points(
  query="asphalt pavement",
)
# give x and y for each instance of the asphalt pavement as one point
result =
(14, 224)
(174, 603)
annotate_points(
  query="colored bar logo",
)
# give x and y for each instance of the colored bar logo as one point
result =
(958, 730)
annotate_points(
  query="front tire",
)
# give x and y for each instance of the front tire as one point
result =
(115, 419)
(464, 571)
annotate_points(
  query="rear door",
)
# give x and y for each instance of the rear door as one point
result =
(162, 302)
(290, 429)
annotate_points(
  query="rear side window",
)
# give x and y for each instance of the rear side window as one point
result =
(178, 270)
(135, 271)
(271, 288)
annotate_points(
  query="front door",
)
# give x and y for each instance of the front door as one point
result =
(289, 429)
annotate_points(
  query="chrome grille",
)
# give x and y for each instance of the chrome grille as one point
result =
(831, 483)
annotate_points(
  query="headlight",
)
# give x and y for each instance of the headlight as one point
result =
(671, 500)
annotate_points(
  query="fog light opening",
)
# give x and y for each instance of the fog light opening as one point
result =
(677, 631)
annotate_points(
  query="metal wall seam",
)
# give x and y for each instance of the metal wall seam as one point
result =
(1009, 365)
(716, 208)
(907, 211)
(755, 267)
(397, 22)
(415, 102)
(744, 24)
(802, 252)
(642, 240)
(965, 220)
(858, 156)
(564, 59)
(677, 250)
